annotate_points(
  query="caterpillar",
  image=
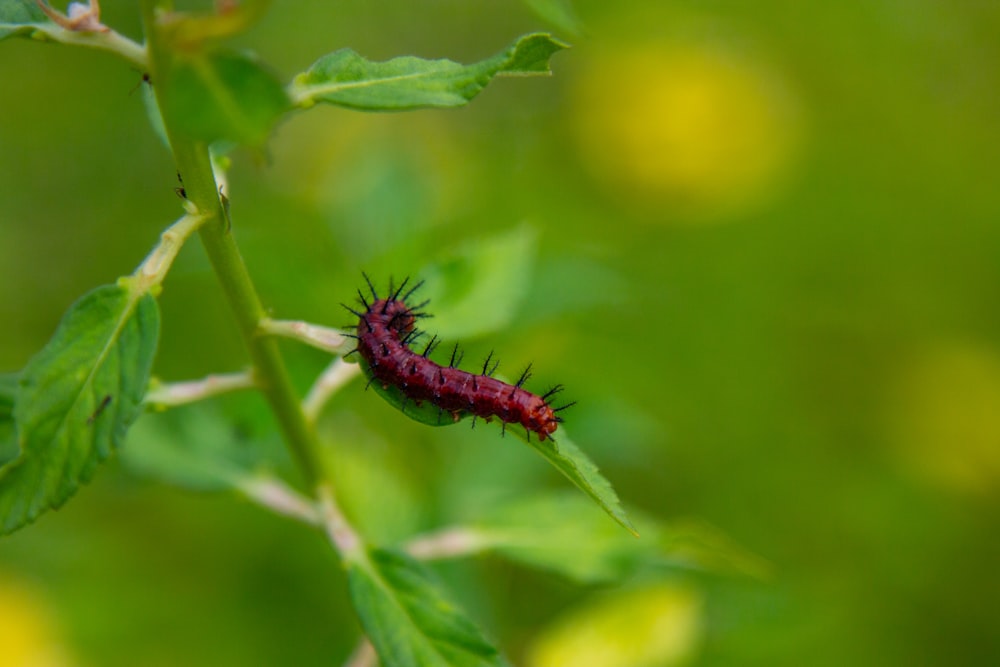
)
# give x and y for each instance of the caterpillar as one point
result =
(387, 327)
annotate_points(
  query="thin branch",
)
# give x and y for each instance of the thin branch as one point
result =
(154, 268)
(323, 338)
(446, 543)
(181, 393)
(273, 494)
(83, 27)
(341, 535)
(336, 375)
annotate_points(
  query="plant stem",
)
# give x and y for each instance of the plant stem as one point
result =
(322, 338)
(336, 375)
(181, 393)
(194, 164)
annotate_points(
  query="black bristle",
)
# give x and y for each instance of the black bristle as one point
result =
(561, 408)
(406, 297)
(352, 311)
(420, 305)
(454, 351)
(430, 346)
(410, 337)
(552, 392)
(402, 286)
(370, 286)
(486, 365)
(364, 302)
(524, 377)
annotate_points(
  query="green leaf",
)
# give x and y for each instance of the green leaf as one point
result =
(16, 17)
(8, 390)
(8, 432)
(425, 413)
(76, 399)
(153, 112)
(193, 447)
(408, 619)
(223, 95)
(559, 13)
(579, 469)
(347, 79)
(564, 533)
(563, 454)
(477, 287)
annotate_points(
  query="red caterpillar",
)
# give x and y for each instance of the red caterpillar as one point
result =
(386, 327)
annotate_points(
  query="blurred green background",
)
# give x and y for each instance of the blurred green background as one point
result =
(762, 254)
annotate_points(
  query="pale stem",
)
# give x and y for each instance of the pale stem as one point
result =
(323, 338)
(273, 494)
(336, 526)
(336, 375)
(364, 655)
(181, 393)
(105, 40)
(154, 268)
(446, 543)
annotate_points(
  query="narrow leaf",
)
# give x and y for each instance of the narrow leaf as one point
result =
(153, 113)
(16, 17)
(76, 399)
(348, 79)
(425, 413)
(409, 621)
(579, 469)
(224, 95)
(563, 454)
(564, 533)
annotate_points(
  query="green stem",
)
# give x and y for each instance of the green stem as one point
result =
(194, 164)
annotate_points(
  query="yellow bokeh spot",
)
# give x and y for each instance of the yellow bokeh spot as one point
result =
(27, 632)
(945, 417)
(686, 128)
(656, 626)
